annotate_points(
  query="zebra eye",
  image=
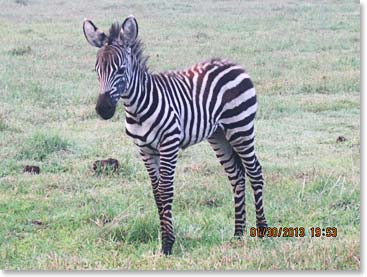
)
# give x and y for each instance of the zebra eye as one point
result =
(121, 70)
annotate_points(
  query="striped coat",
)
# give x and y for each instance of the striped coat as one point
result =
(165, 112)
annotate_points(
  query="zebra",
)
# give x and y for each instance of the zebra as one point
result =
(214, 100)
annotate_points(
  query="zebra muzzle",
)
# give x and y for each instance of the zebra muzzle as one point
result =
(104, 106)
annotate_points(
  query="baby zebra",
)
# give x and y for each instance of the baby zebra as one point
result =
(214, 100)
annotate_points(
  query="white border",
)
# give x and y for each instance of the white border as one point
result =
(363, 137)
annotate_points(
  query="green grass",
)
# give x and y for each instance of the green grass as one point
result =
(41, 145)
(304, 59)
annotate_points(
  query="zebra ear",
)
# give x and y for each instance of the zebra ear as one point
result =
(129, 30)
(93, 35)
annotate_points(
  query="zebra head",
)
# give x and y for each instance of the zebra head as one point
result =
(114, 61)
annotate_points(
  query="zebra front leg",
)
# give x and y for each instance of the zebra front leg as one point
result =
(168, 157)
(151, 162)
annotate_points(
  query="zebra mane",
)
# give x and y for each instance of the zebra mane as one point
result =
(114, 34)
(137, 48)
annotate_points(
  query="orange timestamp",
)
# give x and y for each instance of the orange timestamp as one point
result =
(290, 232)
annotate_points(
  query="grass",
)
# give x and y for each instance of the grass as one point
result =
(41, 145)
(304, 59)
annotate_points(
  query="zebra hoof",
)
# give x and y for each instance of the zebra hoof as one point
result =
(262, 230)
(167, 250)
(238, 235)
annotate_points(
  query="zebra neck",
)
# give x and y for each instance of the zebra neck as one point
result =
(138, 94)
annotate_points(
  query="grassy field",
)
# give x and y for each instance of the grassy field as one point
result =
(304, 58)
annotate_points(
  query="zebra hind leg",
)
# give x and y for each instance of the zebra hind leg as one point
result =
(246, 151)
(232, 164)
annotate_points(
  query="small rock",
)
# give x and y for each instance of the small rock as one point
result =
(211, 202)
(341, 139)
(113, 164)
(33, 169)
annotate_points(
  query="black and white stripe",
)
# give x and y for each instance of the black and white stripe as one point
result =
(214, 100)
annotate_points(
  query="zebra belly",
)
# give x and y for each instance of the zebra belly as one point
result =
(149, 141)
(190, 138)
